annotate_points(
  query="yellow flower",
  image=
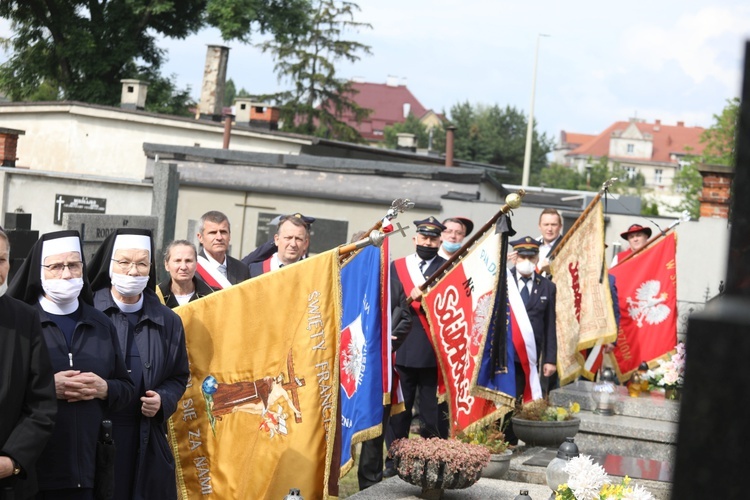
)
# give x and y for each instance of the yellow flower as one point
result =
(575, 408)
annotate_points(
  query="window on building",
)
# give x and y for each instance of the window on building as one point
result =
(631, 173)
(631, 148)
(658, 175)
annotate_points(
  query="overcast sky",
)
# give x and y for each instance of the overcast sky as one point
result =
(602, 62)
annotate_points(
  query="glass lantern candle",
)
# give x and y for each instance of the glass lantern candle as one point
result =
(643, 370)
(556, 474)
(604, 393)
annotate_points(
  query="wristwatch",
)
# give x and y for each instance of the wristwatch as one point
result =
(16, 467)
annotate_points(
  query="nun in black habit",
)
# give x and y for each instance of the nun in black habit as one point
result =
(152, 338)
(91, 380)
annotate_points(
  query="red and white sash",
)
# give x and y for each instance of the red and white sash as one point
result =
(211, 275)
(523, 341)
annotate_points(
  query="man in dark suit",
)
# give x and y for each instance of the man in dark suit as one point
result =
(27, 390)
(416, 363)
(265, 252)
(539, 295)
(292, 240)
(215, 266)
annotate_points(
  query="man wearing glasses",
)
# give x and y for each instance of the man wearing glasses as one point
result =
(456, 229)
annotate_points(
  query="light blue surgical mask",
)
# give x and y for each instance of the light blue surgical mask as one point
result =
(451, 247)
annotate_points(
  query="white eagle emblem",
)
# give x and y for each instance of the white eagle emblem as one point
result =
(353, 359)
(648, 304)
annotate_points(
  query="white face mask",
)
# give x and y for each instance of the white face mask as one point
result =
(129, 286)
(525, 267)
(62, 291)
(4, 288)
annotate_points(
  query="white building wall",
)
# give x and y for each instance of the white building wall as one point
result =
(35, 193)
(81, 139)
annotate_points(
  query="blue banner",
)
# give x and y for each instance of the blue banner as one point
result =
(360, 352)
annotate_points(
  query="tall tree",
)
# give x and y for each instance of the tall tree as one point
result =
(689, 182)
(319, 99)
(83, 48)
(495, 135)
(164, 97)
(720, 137)
(411, 125)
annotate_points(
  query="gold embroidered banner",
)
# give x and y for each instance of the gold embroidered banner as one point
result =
(584, 309)
(259, 414)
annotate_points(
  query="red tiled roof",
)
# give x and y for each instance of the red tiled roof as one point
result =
(387, 105)
(577, 139)
(668, 139)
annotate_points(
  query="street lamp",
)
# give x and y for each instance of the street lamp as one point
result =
(530, 125)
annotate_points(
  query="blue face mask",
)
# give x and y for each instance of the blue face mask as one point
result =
(451, 247)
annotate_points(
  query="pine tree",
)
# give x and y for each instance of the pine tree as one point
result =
(318, 99)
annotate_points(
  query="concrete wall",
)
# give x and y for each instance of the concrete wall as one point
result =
(35, 193)
(83, 139)
(702, 246)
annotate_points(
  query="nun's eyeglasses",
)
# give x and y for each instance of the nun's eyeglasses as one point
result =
(57, 268)
(125, 265)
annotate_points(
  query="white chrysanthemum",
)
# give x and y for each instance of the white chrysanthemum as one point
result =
(585, 477)
(638, 492)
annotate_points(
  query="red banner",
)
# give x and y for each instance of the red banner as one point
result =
(647, 290)
(458, 309)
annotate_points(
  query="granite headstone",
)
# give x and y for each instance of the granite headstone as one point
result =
(95, 228)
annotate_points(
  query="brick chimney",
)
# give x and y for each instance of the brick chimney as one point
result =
(407, 142)
(715, 197)
(449, 136)
(133, 94)
(255, 114)
(9, 146)
(214, 82)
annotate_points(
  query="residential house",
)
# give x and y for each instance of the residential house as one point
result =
(654, 150)
(391, 103)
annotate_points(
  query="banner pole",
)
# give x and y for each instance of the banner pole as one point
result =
(582, 217)
(662, 234)
(513, 200)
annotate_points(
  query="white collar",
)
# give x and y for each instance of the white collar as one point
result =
(59, 309)
(128, 308)
(213, 261)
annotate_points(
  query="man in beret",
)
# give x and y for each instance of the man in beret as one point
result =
(456, 230)
(292, 240)
(637, 236)
(416, 363)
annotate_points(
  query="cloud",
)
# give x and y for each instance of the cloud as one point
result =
(699, 42)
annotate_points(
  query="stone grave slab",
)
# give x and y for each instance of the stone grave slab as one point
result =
(94, 228)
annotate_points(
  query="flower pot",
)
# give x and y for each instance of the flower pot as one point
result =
(431, 474)
(541, 433)
(499, 465)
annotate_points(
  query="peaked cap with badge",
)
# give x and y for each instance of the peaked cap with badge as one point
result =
(429, 226)
(526, 246)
